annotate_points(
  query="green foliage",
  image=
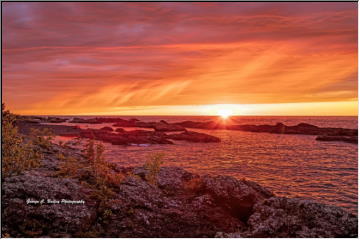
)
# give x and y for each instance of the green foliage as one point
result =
(152, 165)
(17, 154)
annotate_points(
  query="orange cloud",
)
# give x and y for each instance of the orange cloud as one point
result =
(97, 57)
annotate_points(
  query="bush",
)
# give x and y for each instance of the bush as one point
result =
(41, 137)
(152, 166)
(17, 154)
(68, 166)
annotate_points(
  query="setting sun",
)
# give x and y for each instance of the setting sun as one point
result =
(224, 113)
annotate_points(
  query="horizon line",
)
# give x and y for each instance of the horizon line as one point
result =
(185, 115)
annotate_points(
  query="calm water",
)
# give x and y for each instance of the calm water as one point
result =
(289, 165)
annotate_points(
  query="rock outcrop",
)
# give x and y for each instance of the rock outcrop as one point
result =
(108, 129)
(119, 136)
(326, 134)
(165, 127)
(126, 137)
(63, 130)
(299, 218)
(161, 126)
(194, 137)
(24, 218)
(180, 204)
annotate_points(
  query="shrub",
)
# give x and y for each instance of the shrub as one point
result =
(41, 137)
(90, 151)
(152, 165)
(68, 166)
(17, 154)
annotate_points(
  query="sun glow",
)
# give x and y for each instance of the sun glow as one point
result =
(225, 113)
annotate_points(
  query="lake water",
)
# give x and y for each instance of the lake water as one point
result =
(289, 165)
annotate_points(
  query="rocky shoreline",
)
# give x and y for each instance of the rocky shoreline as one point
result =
(177, 204)
(161, 131)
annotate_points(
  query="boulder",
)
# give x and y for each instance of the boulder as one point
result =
(237, 196)
(295, 218)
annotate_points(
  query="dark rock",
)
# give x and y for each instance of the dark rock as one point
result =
(125, 123)
(55, 120)
(169, 209)
(109, 129)
(294, 218)
(82, 120)
(63, 130)
(31, 120)
(194, 137)
(34, 220)
(145, 124)
(165, 127)
(179, 204)
(120, 130)
(238, 197)
(126, 137)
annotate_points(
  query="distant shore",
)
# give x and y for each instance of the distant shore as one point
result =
(161, 127)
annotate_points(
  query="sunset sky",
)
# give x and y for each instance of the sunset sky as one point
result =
(180, 58)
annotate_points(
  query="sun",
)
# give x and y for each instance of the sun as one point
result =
(224, 113)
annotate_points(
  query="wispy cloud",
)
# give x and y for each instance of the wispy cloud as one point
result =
(100, 56)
